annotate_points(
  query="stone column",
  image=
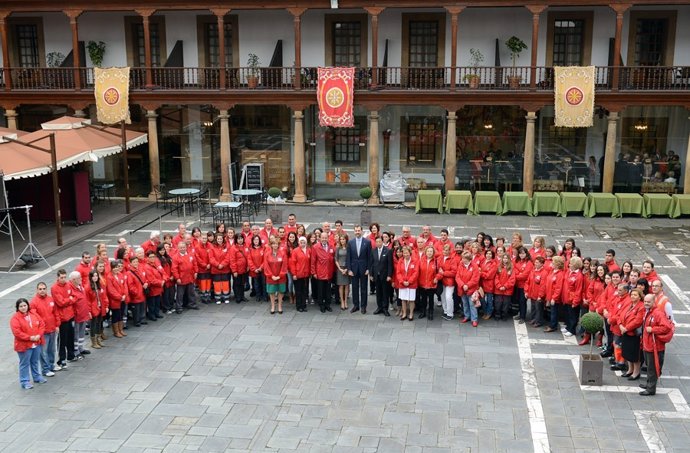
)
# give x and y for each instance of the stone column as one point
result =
(300, 195)
(374, 157)
(619, 9)
(224, 117)
(154, 159)
(451, 154)
(73, 15)
(536, 10)
(145, 18)
(686, 176)
(297, 21)
(11, 116)
(528, 155)
(454, 12)
(610, 154)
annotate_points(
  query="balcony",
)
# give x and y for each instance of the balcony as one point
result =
(630, 79)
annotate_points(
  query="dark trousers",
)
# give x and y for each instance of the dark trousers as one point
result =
(359, 290)
(153, 304)
(66, 346)
(501, 306)
(652, 373)
(323, 293)
(259, 283)
(427, 299)
(382, 296)
(553, 320)
(138, 312)
(185, 296)
(238, 287)
(522, 302)
(301, 292)
(609, 336)
(573, 315)
(168, 297)
(96, 326)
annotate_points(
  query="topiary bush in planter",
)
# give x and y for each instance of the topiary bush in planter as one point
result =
(591, 365)
(275, 214)
(365, 216)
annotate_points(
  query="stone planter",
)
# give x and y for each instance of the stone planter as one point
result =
(591, 369)
(365, 218)
(276, 215)
(514, 82)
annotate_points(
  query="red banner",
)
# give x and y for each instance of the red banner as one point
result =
(334, 93)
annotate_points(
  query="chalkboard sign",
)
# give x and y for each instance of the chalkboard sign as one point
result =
(254, 176)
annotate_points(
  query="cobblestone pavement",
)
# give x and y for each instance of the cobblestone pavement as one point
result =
(235, 378)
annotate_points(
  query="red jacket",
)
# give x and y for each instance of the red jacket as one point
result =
(219, 258)
(116, 288)
(238, 259)
(82, 308)
(275, 266)
(438, 246)
(98, 301)
(448, 267)
(84, 270)
(149, 246)
(266, 235)
(428, 272)
(631, 317)
(554, 286)
(322, 261)
(595, 295)
(652, 276)
(504, 279)
(467, 275)
(533, 253)
(183, 268)
(616, 310)
(488, 280)
(201, 253)
(155, 277)
(135, 285)
(535, 288)
(24, 327)
(522, 270)
(255, 260)
(65, 306)
(660, 324)
(573, 288)
(409, 275)
(300, 263)
(45, 308)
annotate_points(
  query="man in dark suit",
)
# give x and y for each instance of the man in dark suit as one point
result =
(358, 254)
(381, 274)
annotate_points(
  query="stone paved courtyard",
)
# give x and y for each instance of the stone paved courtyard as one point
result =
(235, 378)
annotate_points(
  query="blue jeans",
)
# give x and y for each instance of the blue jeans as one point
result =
(259, 283)
(48, 351)
(468, 308)
(488, 303)
(554, 316)
(28, 365)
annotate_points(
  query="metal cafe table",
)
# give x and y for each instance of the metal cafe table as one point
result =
(183, 196)
(227, 212)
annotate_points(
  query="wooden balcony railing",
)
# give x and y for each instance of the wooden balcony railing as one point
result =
(487, 78)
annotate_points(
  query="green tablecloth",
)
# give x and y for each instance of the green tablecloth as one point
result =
(631, 203)
(487, 201)
(598, 203)
(573, 201)
(516, 202)
(657, 204)
(459, 199)
(680, 205)
(546, 202)
(429, 199)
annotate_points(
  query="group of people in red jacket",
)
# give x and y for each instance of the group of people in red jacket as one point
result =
(483, 278)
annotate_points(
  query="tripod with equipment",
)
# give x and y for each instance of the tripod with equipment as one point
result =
(30, 255)
(7, 224)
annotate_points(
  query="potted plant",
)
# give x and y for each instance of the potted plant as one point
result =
(365, 217)
(275, 214)
(476, 57)
(54, 59)
(96, 51)
(253, 74)
(591, 365)
(515, 45)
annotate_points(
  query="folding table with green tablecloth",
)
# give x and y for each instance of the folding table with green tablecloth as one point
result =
(631, 203)
(657, 204)
(602, 203)
(516, 202)
(573, 201)
(546, 202)
(429, 199)
(487, 201)
(680, 205)
(459, 199)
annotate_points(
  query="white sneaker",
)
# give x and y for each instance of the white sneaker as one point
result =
(227, 301)
(438, 304)
(57, 368)
(49, 374)
(567, 334)
(217, 302)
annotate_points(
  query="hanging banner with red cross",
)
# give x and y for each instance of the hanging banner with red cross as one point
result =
(574, 96)
(335, 96)
(112, 95)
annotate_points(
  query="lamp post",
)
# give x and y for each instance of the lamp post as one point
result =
(54, 172)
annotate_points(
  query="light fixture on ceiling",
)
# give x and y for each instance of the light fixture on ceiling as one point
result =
(488, 125)
(641, 125)
(208, 123)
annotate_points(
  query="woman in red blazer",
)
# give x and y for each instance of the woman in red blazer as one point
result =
(573, 289)
(203, 268)
(504, 284)
(487, 281)
(407, 274)
(219, 258)
(255, 260)
(98, 306)
(467, 280)
(629, 321)
(554, 291)
(116, 288)
(300, 266)
(276, 268)
(448, 267)
(429, 275)
(535, 291)
(28, 329)
(155, 277)
(136, 291)
(240, 267)
(523, 267)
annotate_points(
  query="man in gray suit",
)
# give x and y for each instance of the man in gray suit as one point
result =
(358, 255)
(381, 274)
